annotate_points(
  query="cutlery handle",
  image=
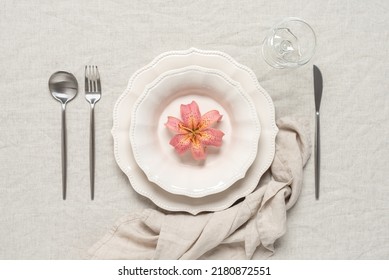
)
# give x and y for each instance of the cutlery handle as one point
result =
(317, 156)
(63, 151)
(92, 151)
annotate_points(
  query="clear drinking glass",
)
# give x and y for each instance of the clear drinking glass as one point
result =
(289, 44)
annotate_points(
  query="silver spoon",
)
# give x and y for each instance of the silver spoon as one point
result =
(63, 87)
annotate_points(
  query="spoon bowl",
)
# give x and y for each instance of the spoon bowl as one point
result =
(63, 87)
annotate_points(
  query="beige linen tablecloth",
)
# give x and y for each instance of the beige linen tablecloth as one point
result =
(351, 220)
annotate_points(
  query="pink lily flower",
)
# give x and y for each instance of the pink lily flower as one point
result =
(194, 131)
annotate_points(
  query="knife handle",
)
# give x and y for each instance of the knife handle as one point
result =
(317, 156)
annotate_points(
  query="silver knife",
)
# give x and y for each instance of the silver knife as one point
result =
(318, 89)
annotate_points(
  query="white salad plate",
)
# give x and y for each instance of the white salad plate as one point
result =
(122, 122)
(211, 89)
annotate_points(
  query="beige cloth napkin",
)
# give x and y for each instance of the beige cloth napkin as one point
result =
(252, 225)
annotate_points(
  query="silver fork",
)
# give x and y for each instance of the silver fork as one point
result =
(92, 95)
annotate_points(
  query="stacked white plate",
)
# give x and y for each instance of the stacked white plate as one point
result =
(141, 142)
(181, 174)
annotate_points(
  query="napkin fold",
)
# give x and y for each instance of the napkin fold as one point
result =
(250, 226)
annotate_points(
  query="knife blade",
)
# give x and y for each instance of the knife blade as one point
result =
(318, 91)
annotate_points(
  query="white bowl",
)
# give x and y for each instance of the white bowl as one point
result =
(212, 90)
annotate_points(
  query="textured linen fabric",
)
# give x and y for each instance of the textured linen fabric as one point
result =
(351, 219)
(236, 232)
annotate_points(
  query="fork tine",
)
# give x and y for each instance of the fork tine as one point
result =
(98, 80)
(86, 78)
(94, 80)
(91, 78)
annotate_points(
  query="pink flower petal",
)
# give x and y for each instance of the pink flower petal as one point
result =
(181, 142)
(175, 125)
(209, 119)
(190, 115)
(197, 149)
(211, 137)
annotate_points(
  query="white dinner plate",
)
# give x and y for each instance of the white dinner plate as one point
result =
(182, 174)
(122, 121)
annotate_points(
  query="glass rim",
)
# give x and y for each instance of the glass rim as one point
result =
(288, 65)
(298, 20)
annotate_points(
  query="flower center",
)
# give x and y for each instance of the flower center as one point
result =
(194, 133)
